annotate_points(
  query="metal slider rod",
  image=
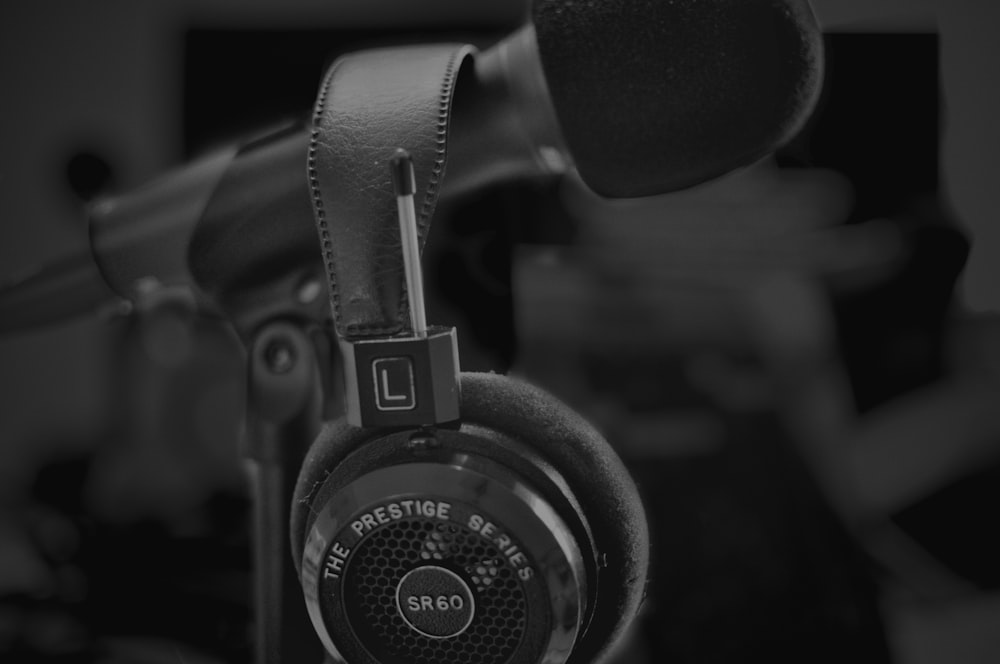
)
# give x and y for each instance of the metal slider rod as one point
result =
(404, 183)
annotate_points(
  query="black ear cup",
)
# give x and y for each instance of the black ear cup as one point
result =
(517, 537)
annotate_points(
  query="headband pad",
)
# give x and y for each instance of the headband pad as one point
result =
(370, 104)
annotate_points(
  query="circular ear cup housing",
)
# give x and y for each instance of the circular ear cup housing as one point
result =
(517, 537)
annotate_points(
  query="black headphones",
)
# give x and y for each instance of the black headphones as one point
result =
(449, 517)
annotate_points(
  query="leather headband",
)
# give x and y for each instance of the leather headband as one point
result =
(370, 104)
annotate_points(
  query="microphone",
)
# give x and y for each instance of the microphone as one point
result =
(641, 97)
(657, 96)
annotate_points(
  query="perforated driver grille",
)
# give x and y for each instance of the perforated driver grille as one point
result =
(385, 556)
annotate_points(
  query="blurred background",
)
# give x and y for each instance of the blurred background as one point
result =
(800, 360)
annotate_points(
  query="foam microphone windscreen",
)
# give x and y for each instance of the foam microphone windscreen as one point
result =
(658, 95)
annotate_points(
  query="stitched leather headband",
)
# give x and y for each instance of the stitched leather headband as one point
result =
(370, 104)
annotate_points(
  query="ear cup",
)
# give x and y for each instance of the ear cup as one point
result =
(544, 445)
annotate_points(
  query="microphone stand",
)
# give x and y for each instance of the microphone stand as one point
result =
(284, 409)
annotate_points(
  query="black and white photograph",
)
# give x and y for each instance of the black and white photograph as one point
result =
(499, 332)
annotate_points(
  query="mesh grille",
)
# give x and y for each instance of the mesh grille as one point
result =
(387, 554)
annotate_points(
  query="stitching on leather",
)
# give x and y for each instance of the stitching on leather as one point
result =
(444, 112)
(318, 209)
(445, 97)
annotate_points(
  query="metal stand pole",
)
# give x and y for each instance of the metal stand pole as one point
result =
(284, 409)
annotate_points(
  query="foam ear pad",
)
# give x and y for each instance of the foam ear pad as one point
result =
(599, 482)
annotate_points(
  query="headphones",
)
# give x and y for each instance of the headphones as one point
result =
(448, 517)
